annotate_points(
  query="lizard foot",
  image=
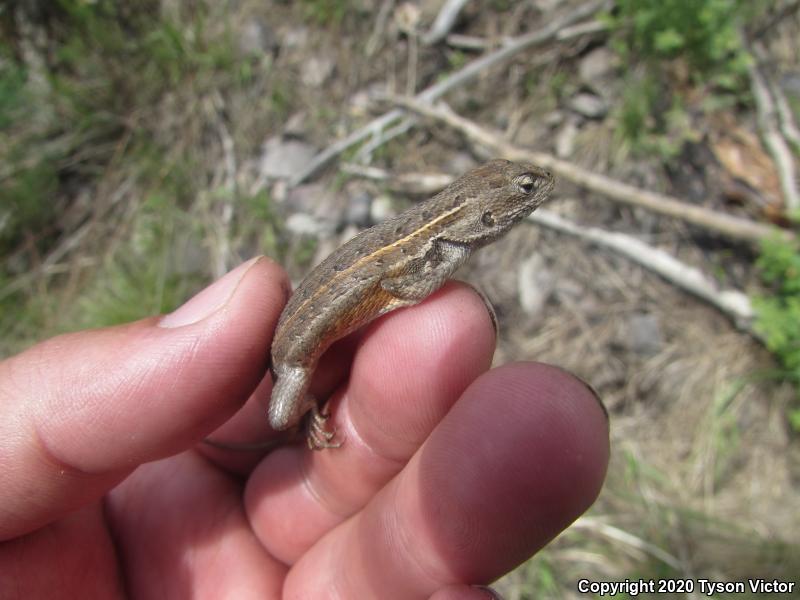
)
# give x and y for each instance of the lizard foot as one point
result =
(318, 435)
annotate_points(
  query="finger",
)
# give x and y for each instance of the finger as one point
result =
(518, 458)
(408, 371)
(241, 443)
(182, 532)
(465, 592)
(73, 557)
(80, 411)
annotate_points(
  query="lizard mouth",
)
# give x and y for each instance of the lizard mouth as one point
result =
(527, 208)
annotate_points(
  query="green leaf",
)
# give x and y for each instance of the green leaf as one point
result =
(669, 41)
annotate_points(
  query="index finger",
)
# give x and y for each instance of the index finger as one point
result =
(408, 370)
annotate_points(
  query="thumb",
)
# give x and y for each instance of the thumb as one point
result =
(79, 412)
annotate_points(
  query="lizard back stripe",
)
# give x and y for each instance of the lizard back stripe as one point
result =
(384, 249)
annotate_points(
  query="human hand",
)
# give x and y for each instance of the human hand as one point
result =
(448, 475)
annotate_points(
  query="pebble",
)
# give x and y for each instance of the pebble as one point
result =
(284, 157)
(589, 105)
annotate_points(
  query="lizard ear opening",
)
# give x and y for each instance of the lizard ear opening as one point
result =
(487, 218)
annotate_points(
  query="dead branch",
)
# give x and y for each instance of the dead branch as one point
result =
(785, 116)
(776, 18)
(733, 227)
(588, 28)
(374, 41)
(733, 303)
(364, 154)
(444, 22)
(408, 183)
(776, 145)
(463, 75)
(471, 42)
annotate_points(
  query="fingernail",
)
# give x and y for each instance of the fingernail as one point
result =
(595, 394)
(489, 308)
(490, 593)
(209, 300)
(589, 387)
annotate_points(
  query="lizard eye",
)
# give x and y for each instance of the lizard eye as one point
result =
(528, 183)
(487, 218)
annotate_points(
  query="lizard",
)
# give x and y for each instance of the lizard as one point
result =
(396, 263)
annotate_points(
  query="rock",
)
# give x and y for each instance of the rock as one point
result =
(565, 138)
(279, 191)
(305, 224)
(306, 198)
(317, 70)
(325, 246)
(644, 334)
(296, 125)
(535, 284)
(459, 163)
(588, 105)
(327, 206)
(295, 37)
(282, 158)
(554, 118)
(595, 67)
(358, 209)
(790, 83)
(363, 101)
(381, 209)
(348, 233)
(257, 39)
(360, 103)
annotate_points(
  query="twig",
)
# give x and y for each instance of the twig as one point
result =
(728, 225)
(732, 303)
(411, 67)
(779, 16)
(444, 22)
(776, 145)
(472, 42)
(227, 180)
(785, 117)
(409, 183)
(581, 29)
(463, 75)
(373, 43)
(364, 154)
(620, 535)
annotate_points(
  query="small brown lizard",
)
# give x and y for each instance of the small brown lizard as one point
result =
(396, 263)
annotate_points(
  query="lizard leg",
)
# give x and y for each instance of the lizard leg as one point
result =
(318, 435)
(291, 402)
(420, 280)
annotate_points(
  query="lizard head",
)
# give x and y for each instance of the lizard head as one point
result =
(500, 194)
